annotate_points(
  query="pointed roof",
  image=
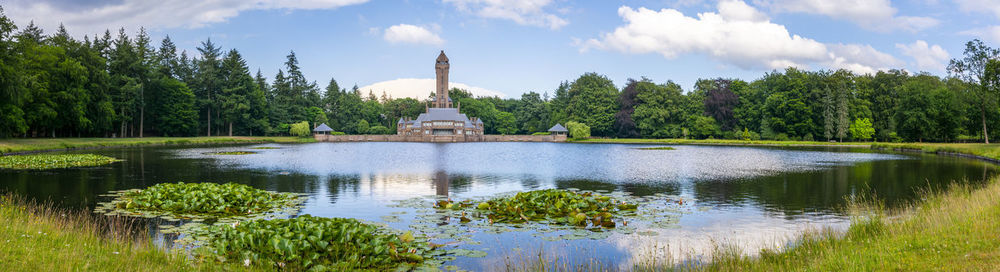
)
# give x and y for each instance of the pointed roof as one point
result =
(322, 127)
(558, 128)
(442, 57)
(400, 120)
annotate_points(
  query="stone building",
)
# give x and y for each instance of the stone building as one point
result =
(441, 122)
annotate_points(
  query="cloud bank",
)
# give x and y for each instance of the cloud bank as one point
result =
(737, 34)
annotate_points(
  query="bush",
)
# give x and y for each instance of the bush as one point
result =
(578, 130)
(378, 130)
(337, 133)
(300, 129)
(542, 133)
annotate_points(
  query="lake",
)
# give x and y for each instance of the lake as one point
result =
(710, 196)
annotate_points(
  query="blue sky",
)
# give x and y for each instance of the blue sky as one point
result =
(509, 47)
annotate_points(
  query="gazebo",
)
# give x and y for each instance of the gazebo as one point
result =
(322, 129)
(558, 130)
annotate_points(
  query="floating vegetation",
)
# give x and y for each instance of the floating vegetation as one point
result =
(38, 162)
(231, 153)
(320, 244)
(579, 214)
(656, 148)
(265, 147)
(199, 201)
(557, 206)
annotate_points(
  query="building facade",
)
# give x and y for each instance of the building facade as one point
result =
(441, 122)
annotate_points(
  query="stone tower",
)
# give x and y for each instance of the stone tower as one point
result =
(441, 69)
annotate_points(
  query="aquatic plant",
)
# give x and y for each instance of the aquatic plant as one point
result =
(265, 147)
(23, 162)
(656, 148)
(557, 206)
(231, 153)
(199, 200)
(318, 244)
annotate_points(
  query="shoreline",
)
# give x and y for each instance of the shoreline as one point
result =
(42, 145)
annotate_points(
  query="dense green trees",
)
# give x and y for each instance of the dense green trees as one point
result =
(124, 86)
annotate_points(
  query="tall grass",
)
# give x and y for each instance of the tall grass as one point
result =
(41, 237)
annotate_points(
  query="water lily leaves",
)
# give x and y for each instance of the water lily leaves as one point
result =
(198, 201)
(48, 161)
(648, 233)
(307, 242)
(231, 153)
(467, 253)
(391, 219)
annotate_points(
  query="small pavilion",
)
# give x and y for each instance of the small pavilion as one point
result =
(322, 129)
(558, 130)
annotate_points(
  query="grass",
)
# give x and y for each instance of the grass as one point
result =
(718, 142)
(8, 146)
(990, 151)
(22, 162)
(954, 230)
(39, 237)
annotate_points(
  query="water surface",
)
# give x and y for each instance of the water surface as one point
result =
(750, 196)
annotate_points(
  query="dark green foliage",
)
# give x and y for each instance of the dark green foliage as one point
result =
(203, 199)
(592, 101)
(317, 244)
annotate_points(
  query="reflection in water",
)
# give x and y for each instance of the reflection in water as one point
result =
(754, 197)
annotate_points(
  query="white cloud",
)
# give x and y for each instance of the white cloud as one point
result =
(983, 6)
(523, 12)
(860, 58)
(420, 88)
(927, 57)
(404, 33)
(738, 35)
(131, 14)
(870, 14)
(991, 33)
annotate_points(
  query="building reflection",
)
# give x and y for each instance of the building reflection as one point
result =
(441, 183)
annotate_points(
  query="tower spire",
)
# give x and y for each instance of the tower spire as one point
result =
(441, 67)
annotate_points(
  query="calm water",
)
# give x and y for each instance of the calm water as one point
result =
(753, 197)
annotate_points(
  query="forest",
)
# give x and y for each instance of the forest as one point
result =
(124, 85)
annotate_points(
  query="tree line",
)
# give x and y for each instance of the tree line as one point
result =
(124, 86)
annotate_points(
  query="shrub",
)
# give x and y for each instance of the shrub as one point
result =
(578, 130)
(300, 129)
(379, 129)
(542, 133)
(337, 133)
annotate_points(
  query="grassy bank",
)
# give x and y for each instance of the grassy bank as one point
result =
(954, 231)
(36, 237)
(719, 142)
(47, 144)
(991, 151)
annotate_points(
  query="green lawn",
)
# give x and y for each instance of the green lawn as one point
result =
(42, 144)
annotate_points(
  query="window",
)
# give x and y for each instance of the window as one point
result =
(427, 132)
(459, 124)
